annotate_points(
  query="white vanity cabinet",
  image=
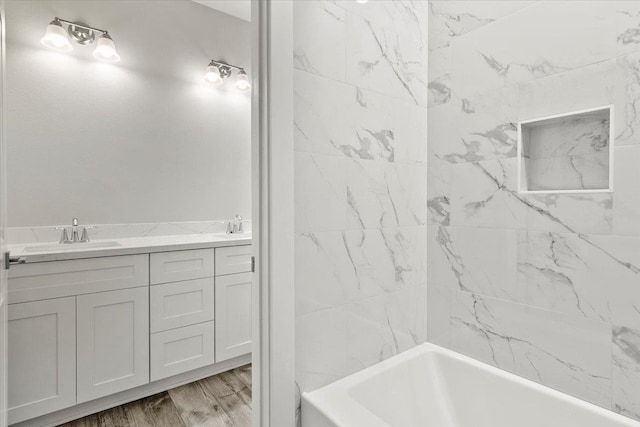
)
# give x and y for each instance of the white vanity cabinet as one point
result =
(42, 357)
(85, 332)
(113, 342)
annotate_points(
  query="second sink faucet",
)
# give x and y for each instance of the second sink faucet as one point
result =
(236, 227)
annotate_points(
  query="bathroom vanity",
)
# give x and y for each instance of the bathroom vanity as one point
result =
(96, 326)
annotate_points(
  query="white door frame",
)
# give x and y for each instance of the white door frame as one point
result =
(272, 165)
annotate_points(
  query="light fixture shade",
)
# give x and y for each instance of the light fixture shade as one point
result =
(56, 37)
(212, 75)
(242, 81)
(106, 49)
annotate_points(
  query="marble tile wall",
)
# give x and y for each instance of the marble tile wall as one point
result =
(360, 115)
(545, 286)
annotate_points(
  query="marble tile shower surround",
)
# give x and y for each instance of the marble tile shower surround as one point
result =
(544, 285)
(25, 235)
(360, 98)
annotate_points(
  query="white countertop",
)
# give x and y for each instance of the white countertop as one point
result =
(43, 252)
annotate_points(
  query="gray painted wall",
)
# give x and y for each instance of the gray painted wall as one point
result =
(143, 140)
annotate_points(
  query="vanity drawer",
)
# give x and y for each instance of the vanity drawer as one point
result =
(233, 259)
(178, 304)
(181, 350)
(176, 266)
(45, 280)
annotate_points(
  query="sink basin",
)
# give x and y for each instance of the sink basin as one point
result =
(62, 247)
(232, 236)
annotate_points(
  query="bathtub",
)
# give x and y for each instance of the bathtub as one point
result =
(430, 386)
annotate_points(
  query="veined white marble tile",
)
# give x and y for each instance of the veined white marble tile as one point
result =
(383, 194)
(515, 50)
(574, 90)
(439, 90)
(323, 272)
(320, 192)
(580, 213)
(483, 194)
(324, 117)
(568, 354)
(441, 130)
(439, 61)
(438, 315)
(410, 132)
(626, 209)
(478, 260)
(321, 347)
(385, 325)
(438, 193)
(628, 26)
(339, 119)
(44, 234)
(450, 19)
(622, 257)
(439, 84)
(386, 260)
(319, 38)
(485, 127)
(627, 100)
(567, 274)
(626, 371)
(387, 51)
(571, 172)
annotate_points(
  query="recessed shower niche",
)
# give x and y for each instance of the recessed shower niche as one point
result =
(567, 153)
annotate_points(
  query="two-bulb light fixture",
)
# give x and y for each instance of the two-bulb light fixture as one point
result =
(218, 71)
(57, 38)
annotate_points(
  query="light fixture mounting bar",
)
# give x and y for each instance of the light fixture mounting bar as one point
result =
(86, 27)
(224, 64)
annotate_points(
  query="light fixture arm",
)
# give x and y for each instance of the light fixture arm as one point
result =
(225, 65)
(76, 24)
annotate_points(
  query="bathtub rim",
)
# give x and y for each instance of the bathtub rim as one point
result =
(335, 403)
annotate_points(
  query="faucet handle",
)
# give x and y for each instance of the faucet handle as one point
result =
(64, 236)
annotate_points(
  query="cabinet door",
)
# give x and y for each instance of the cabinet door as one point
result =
(233, 316)
(113, 342)
(42, 357)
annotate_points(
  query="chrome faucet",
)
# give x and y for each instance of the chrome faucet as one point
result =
(236, 227)
(76, 237)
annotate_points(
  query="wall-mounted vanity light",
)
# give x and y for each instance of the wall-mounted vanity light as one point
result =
(58, 39)
(217, 71)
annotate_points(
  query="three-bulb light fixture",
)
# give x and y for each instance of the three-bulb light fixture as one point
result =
(218, 71)
(57, 38)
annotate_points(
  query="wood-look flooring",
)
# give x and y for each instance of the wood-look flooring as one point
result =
(221, 400)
